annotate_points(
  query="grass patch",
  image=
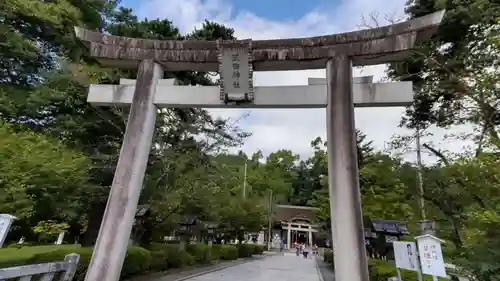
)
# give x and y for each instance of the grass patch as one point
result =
(18, 256)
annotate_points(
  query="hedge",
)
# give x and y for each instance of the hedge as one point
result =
(381, 270)
(225, 252)
(328, 256)
(244, 250)
(138, 261)
(258, 249)
(202, 253)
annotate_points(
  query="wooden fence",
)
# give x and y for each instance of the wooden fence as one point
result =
(64, 270)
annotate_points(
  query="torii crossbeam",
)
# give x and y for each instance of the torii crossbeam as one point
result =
(311, 96)
(235, 61)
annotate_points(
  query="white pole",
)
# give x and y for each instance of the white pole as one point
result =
(112, 241)
(343, 174)
(245, 180)
(270, 236)
(420, 183)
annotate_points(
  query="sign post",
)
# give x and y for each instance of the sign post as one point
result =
(431, 256)
(406, 257)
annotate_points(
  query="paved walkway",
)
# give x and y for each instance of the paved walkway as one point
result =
(276, 268)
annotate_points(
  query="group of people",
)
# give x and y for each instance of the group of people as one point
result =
(304, 249)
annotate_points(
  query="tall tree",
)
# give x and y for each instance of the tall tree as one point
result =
(40, 179)
(452, 72)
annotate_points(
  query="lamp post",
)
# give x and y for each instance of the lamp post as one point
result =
(270, 235)
(426, 226)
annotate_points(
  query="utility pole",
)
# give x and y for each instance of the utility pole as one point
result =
(245, 180)
(420, 183)
(270, 235)
(426, 226)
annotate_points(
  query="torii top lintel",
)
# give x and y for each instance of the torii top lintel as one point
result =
(366, 47)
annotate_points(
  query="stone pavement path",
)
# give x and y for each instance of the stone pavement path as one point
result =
(274, 268)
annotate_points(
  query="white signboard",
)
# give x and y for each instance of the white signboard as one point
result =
(405, 255)
(5, 223)
(431, 256)
(235, 72)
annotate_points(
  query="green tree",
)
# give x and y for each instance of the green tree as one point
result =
(383, 194)
(49, 229)
(40, 178)
(452, 73)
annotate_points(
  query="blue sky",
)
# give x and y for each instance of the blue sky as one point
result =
(270, 19)
(281, 10)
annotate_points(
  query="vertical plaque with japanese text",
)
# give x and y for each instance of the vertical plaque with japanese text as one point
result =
(431, 256)
(235, 67)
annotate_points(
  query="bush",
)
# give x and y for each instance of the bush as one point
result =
(137, 260)
(380, 270)
(257, 249)
(328, 256)
(202, 253)
(225, 252)
(244, 250)
(159, 261)
(173, 255)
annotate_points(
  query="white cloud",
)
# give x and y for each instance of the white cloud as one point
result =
(293, 129)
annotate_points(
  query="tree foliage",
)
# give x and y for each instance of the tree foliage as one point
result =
(39, 177)
(455, 77)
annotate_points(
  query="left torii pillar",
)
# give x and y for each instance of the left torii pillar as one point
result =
(111, 246)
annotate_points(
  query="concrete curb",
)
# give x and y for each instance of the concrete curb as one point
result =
(320, 274)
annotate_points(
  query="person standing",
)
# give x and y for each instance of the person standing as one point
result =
(305, 251)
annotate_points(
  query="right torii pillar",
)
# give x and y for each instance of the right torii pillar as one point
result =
(343, 179)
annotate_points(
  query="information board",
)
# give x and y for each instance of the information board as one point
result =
(431, 257)
(5, 223)
(405, 255)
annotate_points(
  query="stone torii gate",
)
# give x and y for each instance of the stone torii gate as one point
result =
(235, 61)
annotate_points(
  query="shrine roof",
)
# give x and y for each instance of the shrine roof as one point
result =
(290, 212)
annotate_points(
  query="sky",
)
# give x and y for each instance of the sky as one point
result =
(275, 19)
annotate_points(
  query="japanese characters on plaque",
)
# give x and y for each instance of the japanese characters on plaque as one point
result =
(236, 68)
(235, 72)
(431, 257)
